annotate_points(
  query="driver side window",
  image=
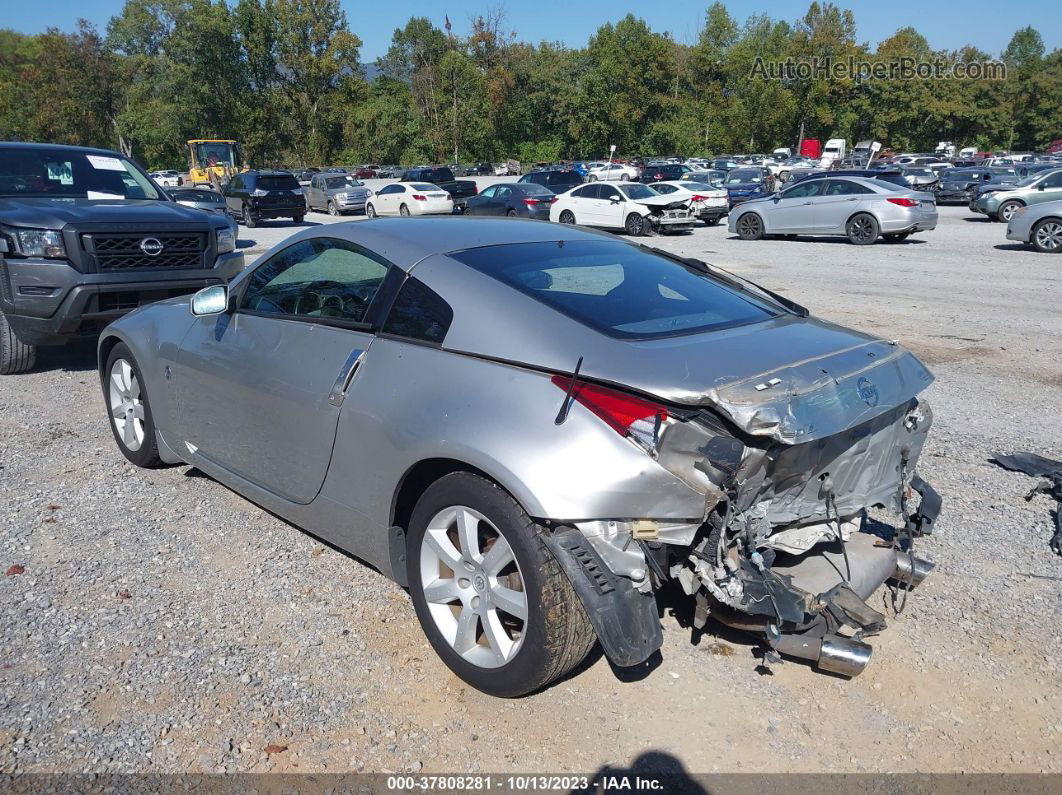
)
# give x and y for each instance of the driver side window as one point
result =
(809, 188)
(316, 278)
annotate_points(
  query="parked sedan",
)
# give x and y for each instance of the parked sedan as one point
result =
(707, 202)
(612, 171)
(167, 179)
(1000, 202)
(204, 199)
(336, 194)
(959, 185)
(860, 209)
(743, 184)
(522, 199)
(533, 427)
(1040, 226)
(409, 198)
(630, 206)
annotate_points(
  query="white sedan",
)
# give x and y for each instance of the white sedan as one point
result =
(409, 198)
(613, 172)
(630, 206)
(707, 202)
(167, 179)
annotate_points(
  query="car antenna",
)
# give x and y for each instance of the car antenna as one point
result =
(562, 415)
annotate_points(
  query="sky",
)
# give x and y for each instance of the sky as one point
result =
(986, 24)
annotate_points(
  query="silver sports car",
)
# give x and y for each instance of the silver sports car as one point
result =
(536, 427)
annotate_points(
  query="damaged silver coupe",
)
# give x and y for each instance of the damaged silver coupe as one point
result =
(536, 428)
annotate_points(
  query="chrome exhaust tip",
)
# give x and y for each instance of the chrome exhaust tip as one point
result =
(910, 571)
(843, 656)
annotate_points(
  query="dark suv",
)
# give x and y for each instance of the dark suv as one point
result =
(86, 236)
(255, 195)
(557, 180)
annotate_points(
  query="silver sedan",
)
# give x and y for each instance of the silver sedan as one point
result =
(854, 207)
(535, 428)
(1039, 225)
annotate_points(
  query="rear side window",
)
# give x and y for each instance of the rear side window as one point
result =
(616, 288)
(419, 313)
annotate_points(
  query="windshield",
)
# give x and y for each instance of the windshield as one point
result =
(638, 192)
(215, 153)
(616, 288)
(1024, 183)
(963, 174)
(697, 186)
(71, 174)
(278, 182)
(334, 183)
(743, 175)
(919, 172)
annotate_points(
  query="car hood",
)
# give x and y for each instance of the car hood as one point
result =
(992, 187)
(348, 191)
(662, 201)
(56, 213)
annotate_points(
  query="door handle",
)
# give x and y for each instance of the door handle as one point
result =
(346, 375)
(853, 199)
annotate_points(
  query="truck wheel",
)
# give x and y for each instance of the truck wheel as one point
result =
(862, 229)
(249, 218)
(297, 218)
(15, 355)
(332, 209)
(128, 407)
(490, 597)
(1006, 211)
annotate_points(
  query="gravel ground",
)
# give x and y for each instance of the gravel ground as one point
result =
(158, 622)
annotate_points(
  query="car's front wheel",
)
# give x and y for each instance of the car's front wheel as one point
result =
(491, 598)
(750, 227)
(1047, 236)
(250, 220)
(15, 355)
(332, 209)
(1006, 211)
(370, 211)
(636, 225)
(128, 408)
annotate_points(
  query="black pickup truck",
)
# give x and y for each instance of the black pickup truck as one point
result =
(86, 236)
(460, 190)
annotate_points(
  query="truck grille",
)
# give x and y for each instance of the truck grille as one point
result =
(141, 250)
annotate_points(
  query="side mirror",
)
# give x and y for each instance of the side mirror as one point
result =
(615, 200)
(1041, 186)
(211, 300)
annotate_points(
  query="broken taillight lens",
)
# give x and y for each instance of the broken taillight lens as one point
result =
(626, 414)
(904, 202)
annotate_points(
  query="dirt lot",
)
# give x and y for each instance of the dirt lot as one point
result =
(163, 623)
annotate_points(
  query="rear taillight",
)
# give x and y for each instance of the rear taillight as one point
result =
(904, 202)
(699, 198)
(626, 414)
(420, 197)
(553, 200)
(533, 202)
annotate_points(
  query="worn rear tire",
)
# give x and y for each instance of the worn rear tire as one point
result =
(556, 635)
(15, 355)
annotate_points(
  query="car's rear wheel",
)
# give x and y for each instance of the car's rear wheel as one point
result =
(511, 213)
(862, 229)
(567, 217)
(491, 598)
(250, 220)
(1006, 211)
(370, 211)
(332, 209)
(711, 221)
(1047, 236)
(750, 227)
(297, 218)
(15, 355)
(128, 408)
(403, 210)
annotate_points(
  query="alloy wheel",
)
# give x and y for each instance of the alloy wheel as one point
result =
(861, 228)
(127, 406)
(1006, 212)
(749, 226)
(473, 586)
(1048, 236)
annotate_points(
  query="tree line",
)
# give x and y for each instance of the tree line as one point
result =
(284, 77)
